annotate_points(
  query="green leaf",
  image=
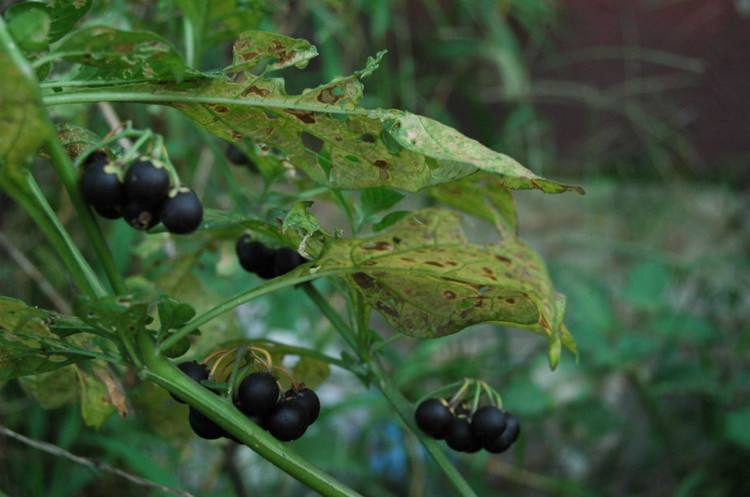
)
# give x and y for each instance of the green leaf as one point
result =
(76, 139)
(123, 54)
(173, 313)
(24, 121)
(26, 342)
(271, 51)
(428, 281)
(482, 195)
(29, 23)
(389, 220)
(301, 229)
(52, 389)
(375, 200)
(310, 371)
(65, 14)
(116, 315)
(96, 406)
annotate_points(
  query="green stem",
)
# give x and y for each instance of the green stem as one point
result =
(67, 175)
(147, 95)
(399, 403)
(222, 412)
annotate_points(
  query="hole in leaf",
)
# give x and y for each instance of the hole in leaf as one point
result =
(367, 138)
(311, 142)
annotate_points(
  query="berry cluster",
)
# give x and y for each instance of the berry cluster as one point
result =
(256, 257)
(487, 428)
(286, 416)
(143, 197)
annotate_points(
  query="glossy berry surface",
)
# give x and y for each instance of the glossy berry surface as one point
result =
(146, 184)
(433, 417)
(288, 421)
(310, 402)
(254, 256)
(459, 437)
(258, 394)
(194, 370)
(139, 216)
(284, 260)
(507, 438)
(237, 156)
(487, 423)
(204, 427)
(182, 213)
(99, 184)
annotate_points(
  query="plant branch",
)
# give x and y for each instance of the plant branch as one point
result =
(399, 403)
(89, 463)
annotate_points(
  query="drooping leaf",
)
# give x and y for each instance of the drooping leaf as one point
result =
(65, 14)
(310, 371)
(427, 280)
(52, 389)
(76, 139)
(375, 200)
(96, 406)
(120, 54)
(482, 195)
(271, 50)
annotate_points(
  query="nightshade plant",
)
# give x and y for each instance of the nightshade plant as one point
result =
(416, 269)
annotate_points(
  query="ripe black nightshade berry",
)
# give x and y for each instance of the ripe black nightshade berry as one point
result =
(99, 184)
(194, 370)
(433, 417)
(310, 401)
(255, 257)
(203, 426)
(284, 260)
(146, 184)
(459, 437)
(257, 394)
(182, 213)
(288, 421)
(508, 437)
(109, 212)
(139, 216)
(487, 424)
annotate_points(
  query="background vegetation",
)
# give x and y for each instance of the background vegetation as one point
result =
(654, 259)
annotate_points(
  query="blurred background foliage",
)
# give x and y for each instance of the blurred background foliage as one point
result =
(643, 102)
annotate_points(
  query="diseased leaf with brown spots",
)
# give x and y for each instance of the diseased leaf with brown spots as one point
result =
(123, 54)
(427, 281)
(270, 50)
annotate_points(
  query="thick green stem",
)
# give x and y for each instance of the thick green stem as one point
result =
(67, 175)
(161, 371)
(399, 403)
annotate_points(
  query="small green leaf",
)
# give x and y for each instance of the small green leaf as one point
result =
(65, 14)
(301, 229)
(375, 200)
(310, 371)
(96, 406)
(173, 313)
(389, 220)
(29, 23)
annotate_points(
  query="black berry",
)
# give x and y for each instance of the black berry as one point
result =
(308, 399)
(257, 394)
(182, 213)
(114, 212)
(99, 184)
(146, 184)
(139, 216)
(203, 426)
(286, 259)
(487, 424)
(459, 437)
(288, 421)
(255, 257)
(237, 156)
(508, 437)
(433, 417)
(194, 370)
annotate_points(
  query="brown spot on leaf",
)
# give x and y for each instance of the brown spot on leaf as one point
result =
(326, 96)
(381, 246)
(367, 138)
(503, 259)
(396, 240)
(381, 163)
(262, 92)
(382, 306)
(303, 115)
(221, 108)
(449, 294)
(434, 263)
(364, 281)
(510, 300)
(408, 259)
